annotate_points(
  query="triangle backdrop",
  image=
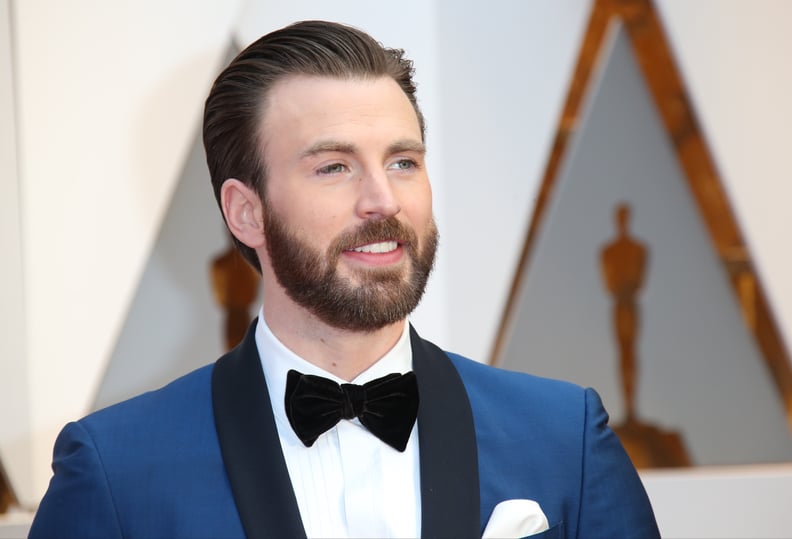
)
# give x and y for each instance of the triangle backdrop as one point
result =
(699, 370)
(174, 324)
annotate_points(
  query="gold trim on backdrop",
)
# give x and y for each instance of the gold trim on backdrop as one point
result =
(653, 53)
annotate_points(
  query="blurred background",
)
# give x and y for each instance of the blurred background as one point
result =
(109, 227)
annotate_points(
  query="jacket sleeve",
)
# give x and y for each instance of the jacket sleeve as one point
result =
(78, 502)
(613, 502)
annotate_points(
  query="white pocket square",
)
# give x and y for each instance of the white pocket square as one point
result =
(514, 519)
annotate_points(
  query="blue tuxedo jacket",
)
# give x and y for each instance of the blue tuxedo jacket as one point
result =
(201, 458)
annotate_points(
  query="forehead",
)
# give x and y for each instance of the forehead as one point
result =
(301, 109)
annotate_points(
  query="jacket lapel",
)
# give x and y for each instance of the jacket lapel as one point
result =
(257, 470)
(447, 441)
(250, 446)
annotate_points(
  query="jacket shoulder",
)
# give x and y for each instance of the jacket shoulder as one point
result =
(487, 383)
(185, 396)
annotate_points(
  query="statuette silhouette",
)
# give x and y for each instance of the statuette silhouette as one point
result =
(624, 265)
(235, 284)
(7, 498)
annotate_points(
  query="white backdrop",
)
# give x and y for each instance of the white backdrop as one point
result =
(107, 98)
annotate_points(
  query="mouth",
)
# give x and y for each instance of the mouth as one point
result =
(376, 248)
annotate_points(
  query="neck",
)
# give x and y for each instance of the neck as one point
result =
(343, 353)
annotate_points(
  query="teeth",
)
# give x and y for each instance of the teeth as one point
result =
(382, 247)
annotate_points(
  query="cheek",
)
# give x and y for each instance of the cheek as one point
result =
(323, 211)
(305, 209)
(321, 222)
(418, 206)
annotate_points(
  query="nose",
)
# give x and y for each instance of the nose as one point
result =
(376, 199)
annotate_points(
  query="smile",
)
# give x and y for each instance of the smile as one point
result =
(381, 247)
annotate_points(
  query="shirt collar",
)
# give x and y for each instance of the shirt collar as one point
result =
(277, 360)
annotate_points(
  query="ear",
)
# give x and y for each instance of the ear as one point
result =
(243, 212)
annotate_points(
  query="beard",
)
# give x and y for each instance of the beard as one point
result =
(381, 296)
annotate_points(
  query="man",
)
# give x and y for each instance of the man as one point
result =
(315, 145)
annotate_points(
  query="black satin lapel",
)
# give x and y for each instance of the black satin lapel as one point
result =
(250, 446)
(447, 438)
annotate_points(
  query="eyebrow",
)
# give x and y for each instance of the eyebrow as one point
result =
(402, 145)
(407, 145)
(328, 146)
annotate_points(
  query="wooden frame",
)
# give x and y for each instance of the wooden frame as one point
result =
(665, 84)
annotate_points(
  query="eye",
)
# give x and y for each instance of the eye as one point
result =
(333, 168)
(403, 164)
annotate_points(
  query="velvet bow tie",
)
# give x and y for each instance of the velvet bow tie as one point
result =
(387, 406)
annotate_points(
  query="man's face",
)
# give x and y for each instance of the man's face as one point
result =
(347, 209)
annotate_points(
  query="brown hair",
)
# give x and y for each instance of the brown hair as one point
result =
(236, 104)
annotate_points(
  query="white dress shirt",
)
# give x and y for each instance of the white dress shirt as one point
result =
(349, 483)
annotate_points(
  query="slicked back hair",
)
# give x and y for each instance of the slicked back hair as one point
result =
(235, 108)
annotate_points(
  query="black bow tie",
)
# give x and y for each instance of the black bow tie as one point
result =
(386, 406)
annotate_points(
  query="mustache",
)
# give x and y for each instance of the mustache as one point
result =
(390, 229)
